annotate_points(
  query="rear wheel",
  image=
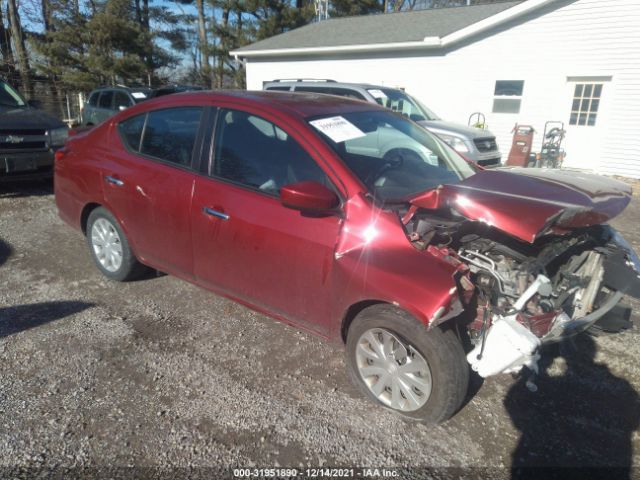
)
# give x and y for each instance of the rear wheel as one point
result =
(396, 362)
(109, 247)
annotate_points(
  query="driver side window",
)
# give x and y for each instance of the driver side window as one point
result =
(256, 153)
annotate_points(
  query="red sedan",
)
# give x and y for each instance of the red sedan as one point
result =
(354, 223)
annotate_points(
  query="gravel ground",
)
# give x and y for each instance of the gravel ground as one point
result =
(162, 375)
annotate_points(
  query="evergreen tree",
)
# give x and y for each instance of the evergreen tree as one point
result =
(342, 8)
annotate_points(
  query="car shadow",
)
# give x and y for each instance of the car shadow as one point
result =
(579, 423)
(25, 188)
(5, 251)
(15, 319)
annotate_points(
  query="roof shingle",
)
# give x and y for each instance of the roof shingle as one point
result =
(381, 28)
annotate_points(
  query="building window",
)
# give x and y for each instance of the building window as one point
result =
(508, 96)
(586, 101)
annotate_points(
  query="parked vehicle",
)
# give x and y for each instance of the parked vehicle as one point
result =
(352, 222)
(28, 137)
(106, 101)
(474, 144)
(175, 88)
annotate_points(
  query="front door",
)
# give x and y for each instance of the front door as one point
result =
(246, 243)
(586, 121)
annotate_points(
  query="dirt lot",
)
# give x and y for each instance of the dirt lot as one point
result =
(159, 373)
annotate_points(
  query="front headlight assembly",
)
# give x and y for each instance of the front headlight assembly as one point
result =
(455, 142)
(57, 136)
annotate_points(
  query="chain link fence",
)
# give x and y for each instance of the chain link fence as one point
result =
(65, 105)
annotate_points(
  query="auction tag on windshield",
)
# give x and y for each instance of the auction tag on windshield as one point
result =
(338, 129)
(138, 95)
(377, 93)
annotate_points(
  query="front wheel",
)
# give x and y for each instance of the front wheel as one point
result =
(395, 361)
(109, 247)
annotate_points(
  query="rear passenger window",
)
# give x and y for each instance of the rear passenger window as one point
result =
(131, 131)
(170, 134)
(105, 100)
(254, 152)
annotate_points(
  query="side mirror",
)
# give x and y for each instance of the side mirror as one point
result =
(122, 107)
(35, 104)
(308, 197)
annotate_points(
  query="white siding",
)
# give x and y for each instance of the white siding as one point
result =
(583, 38)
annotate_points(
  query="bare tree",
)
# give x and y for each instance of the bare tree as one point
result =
(17, 37)
(203, 43)
(5, 47)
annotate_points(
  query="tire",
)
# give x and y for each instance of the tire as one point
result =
(119, 263)
(441, 350)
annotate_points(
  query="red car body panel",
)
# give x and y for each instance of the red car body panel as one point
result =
(305, 270)
(156, 198)
(524, 202)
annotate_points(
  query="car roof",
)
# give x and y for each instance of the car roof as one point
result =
(329, 84)
(299, 104)
(121, 88)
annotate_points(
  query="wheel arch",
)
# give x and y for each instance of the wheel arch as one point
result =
(84, 215)
(352, 312)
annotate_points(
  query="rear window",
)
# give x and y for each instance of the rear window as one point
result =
(131, 131)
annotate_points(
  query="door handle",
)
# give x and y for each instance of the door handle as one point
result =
(114, 181)
(215, 213)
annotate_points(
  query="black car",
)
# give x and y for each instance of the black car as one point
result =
(29, 137)
(175, 88)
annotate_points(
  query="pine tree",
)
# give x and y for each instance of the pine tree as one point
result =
(342, 8)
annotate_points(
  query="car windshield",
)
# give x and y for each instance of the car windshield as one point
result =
(392, 156)
(9, 97)
(400, 102)
(140, 95)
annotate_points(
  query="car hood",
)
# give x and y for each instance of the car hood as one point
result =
(527, 202)
(18, 118)
(455, 128)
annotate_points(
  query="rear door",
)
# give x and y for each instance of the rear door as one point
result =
(149, 180)
(245, 242)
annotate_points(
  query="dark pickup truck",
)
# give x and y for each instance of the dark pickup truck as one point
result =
(29, 137)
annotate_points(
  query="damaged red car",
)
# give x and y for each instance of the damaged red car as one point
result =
(356, 224)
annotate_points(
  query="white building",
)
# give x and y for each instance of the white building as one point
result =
(526, 62)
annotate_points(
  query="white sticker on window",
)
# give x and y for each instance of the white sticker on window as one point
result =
(338, 129)
(377, 93)
(138, 95)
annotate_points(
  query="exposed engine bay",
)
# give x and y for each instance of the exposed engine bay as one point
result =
(521, 295)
